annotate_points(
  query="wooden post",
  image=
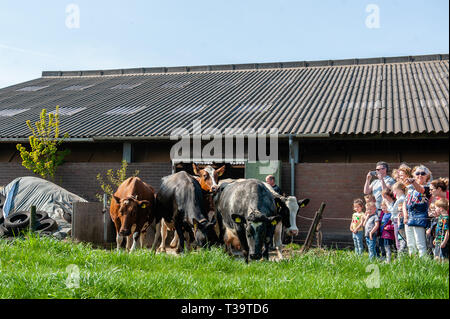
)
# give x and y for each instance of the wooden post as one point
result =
(33, 218)
(313, 228)
(105, 218)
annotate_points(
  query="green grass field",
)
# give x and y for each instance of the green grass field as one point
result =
(36, 268)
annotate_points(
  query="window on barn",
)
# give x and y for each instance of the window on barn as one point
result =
(125, 86)
(77, 87)
(11, 112)
(175, 85)
(125, 110)
(69, 110)
(32, 88)
(252, 107)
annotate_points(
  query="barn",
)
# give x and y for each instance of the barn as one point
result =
(331, 121)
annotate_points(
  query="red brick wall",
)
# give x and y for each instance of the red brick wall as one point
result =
(336, 184)
(80, 178)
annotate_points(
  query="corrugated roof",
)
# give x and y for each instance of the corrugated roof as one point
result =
(398, 95)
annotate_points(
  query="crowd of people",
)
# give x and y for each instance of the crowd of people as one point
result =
(403, 213)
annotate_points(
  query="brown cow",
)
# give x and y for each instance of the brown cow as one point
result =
(131, 210)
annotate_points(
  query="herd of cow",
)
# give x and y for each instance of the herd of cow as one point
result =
(243, 214)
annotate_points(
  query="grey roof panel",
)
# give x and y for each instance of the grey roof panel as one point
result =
(397, 95)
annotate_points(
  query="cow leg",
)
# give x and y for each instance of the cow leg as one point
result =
(162, 246)
(119, 240)
(129, 242)
(135, 241)
(174, 241)
(179, 230)
(157, 234)
(277, 240)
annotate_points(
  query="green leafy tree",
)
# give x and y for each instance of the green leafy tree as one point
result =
(113, 180)
(45, 156)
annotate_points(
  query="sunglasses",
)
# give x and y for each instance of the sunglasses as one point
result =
(421, 173)
(379, 169)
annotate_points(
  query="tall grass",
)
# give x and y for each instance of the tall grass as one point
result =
(36, 268)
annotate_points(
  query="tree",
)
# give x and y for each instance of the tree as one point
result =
(113, 180)
(44, 157)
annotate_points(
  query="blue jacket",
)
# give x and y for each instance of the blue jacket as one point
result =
(417, 206)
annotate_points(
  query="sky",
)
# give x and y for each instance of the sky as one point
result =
(60, 35)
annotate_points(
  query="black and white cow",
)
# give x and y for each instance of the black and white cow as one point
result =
(179, 203)
(247, 214)
(290, 229)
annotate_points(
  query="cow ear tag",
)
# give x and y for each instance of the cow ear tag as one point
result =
(274, 222)
(237, 220)
(303, 205)
(143, 206)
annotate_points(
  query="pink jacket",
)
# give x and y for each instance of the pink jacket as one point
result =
(386, 226)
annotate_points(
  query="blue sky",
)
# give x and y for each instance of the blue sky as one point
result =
(34, 35)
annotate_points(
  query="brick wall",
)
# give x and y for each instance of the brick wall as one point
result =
(336, 184)
(80, 178)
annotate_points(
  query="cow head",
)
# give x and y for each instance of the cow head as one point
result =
(208, 177)
(258, 230)
(128, 212)
(294, 207)
(204, 232)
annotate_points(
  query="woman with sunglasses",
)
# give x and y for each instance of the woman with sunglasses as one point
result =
(415, 211)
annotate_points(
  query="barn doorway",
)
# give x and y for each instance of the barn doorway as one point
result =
(232, 170)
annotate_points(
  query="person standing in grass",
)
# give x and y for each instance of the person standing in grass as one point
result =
(356, 226)
(441, 240)
(415, 210)
(371, 224)
(395, 203)
(387, 230)
(431, 231)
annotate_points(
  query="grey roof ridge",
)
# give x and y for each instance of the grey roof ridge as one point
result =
(245, 66)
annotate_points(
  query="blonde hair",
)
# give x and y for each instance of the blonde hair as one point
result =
(370, 204)
(441, 203)
(395, 172)
(369, 198)
(400, 186)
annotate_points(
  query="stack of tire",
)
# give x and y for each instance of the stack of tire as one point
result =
(19, 221)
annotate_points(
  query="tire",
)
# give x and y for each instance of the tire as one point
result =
(17, 221)
(41, 215)
(46, 225)
(4, 232)
(2, 201)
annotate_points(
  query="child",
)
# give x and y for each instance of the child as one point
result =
(395, 203)
(356, 226)
(371, 224)
(387, 232)
(431, 231)
(384, 211)
(441, 240)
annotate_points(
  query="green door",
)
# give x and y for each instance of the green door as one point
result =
(260, 170)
